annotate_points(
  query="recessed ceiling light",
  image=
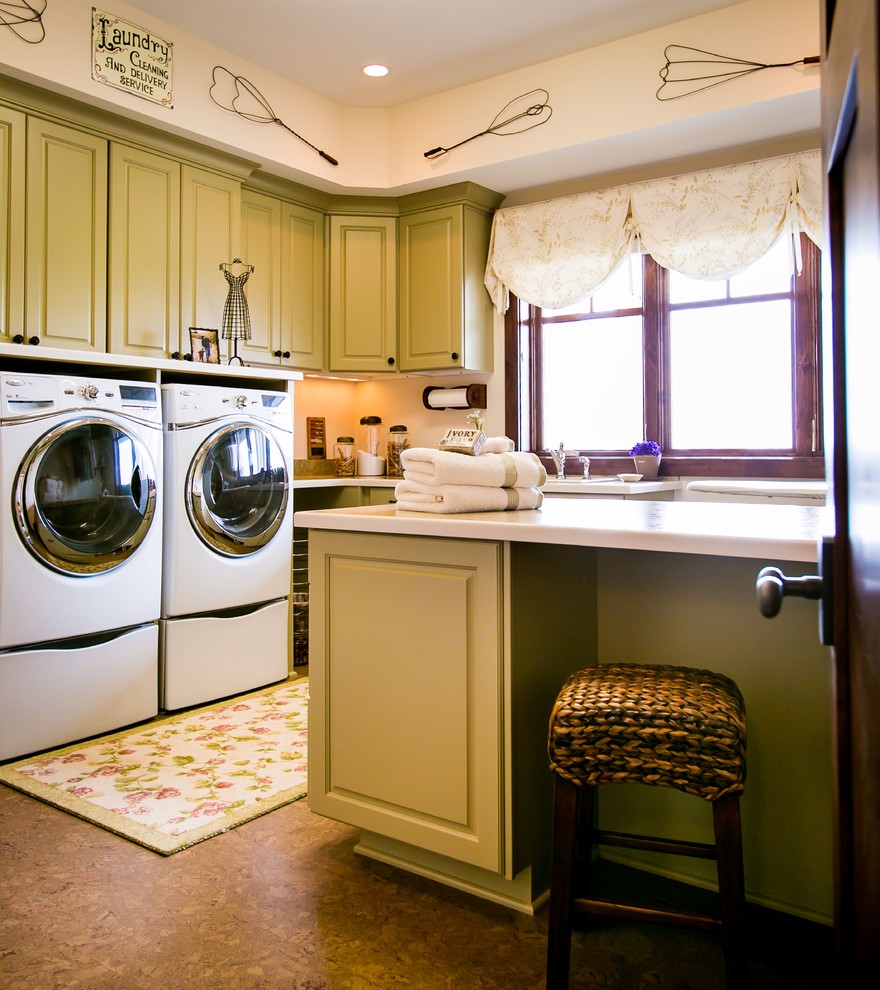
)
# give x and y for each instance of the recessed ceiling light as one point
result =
(375, 70)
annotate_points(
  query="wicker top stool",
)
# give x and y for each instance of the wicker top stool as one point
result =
(665, 726)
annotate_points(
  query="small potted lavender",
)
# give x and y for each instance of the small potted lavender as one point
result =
(646, 457)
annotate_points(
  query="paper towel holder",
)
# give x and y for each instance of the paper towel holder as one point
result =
(456, 397)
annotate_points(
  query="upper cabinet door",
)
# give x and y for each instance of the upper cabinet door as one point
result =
(303, 281)
(12, 166)
(363, 294)
(261, 247)
(446, 318)
(144, 256)
(210, 228)
(66, 288)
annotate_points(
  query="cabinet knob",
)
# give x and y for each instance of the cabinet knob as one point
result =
(33, 341)
(175, 355)
(284, 354)
(454, 355)
(18, 338)
(188, 357)
(391, 360)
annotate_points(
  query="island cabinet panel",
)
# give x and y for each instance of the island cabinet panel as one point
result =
(407, 699)
(66, 250)
(144, 262)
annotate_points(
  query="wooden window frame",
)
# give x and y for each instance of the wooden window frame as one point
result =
(523, 385)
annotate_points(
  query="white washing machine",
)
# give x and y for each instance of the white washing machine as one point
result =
(228, 541)
(80, 557)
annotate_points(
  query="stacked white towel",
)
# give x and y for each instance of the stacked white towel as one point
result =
(442, 481)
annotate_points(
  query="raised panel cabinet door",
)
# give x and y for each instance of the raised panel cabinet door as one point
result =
(446, 318)
(303, 282)
(144, 253)
(66, 253)
(12, 169)
(363, 294)
(261, 247)
(406, 660)
(210, 229)
(430, 289)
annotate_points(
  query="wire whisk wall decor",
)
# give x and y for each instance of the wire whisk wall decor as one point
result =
(692, 70)
(22, 16)
(244, 99)
(514, 117)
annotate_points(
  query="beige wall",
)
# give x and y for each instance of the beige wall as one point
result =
(605, 114)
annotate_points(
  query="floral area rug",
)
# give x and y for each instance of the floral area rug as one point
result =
(184, 778)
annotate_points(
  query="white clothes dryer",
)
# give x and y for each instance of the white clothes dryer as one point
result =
(228, 541)
(80, 557)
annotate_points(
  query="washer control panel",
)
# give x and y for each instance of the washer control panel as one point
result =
(26, 396)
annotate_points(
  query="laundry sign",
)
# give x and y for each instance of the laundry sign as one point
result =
(132, 58)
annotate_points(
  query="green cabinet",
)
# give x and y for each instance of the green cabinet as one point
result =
(13, 125)
(446, 316)
(144, 253)
(66, 245)
(210, 234)
(303, 307)
(113, 235)
(433, 704)
(261, 247)
(363, 294)
(285, 244)
(406, 291)
(409, 699)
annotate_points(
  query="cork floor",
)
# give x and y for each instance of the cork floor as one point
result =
(282, 903)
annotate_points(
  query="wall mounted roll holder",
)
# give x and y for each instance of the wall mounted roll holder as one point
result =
(456, 397)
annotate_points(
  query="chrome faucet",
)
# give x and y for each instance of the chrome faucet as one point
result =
(559, 459)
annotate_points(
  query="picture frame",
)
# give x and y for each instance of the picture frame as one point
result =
(204, 345)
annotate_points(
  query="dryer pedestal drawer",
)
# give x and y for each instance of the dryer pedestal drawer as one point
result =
(59, 693)
(205, 657)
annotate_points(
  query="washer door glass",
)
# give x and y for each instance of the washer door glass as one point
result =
(237, 490)
(85, 496)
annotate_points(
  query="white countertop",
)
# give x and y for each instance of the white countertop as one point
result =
(349, 481)
(97, 359)
(765, 532)
(574, 486)
(768, 489)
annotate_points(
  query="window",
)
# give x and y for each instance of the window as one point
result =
(724, 374)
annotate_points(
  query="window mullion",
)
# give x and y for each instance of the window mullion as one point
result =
(655, 365)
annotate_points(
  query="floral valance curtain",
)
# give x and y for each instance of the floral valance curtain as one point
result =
(708, 224)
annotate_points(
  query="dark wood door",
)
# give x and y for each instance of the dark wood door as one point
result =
(850, 104)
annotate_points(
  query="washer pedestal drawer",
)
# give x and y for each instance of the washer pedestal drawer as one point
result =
(205, 657)
(59, 693)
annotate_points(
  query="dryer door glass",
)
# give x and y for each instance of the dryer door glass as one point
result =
(85, 496)
(237, 490)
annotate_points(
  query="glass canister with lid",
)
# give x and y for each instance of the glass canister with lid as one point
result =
(345, 459)
(397, 442)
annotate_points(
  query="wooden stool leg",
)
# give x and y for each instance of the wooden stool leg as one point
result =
(731, 887)
(565, 815)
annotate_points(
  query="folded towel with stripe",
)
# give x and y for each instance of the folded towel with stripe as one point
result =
(518, 469)
(415, 497)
